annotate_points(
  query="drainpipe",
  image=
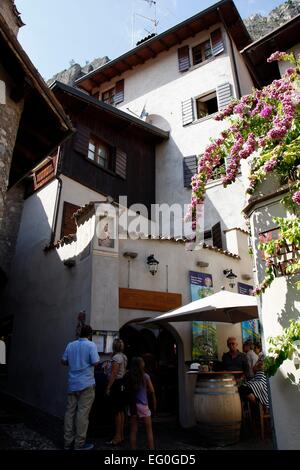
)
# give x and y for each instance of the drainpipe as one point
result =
(236, 76)
(57, 201)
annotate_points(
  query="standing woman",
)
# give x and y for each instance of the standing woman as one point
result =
(115, 389)
(140, 386)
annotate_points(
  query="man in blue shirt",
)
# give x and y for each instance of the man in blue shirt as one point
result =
(81, 356)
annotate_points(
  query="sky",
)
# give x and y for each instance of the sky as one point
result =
(58, 32)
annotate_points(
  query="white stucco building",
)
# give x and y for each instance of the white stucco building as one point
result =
(175, 83)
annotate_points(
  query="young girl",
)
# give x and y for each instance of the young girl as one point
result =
(140, 385)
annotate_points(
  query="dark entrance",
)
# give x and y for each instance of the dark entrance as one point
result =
(158, 348)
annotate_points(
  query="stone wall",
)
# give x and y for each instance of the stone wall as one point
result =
(10, 114)
(9, 12)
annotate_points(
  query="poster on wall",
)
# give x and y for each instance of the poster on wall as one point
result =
(250, 328)
(204, 333)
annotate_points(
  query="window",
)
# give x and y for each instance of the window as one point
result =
(114, 95)
(108, 96)
(202, 52)
(209, 48)
(214, 236)
(206, 105)
(99, 152)
(68, 224)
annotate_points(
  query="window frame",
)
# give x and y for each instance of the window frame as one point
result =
(100, 143)
(201, 45)
(201, 99)
(113, 90)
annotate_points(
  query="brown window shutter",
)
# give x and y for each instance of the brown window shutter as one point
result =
(217, 236)
(121, 163)
(184, 58)
(82, 138)
(217, 42)
(45, 173)
(119, 92)
(68, 225)
(190, 165)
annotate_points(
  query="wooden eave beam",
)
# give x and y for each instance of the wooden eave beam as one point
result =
(164, 44)
(153, 53)
(141, 59)
(127, 64)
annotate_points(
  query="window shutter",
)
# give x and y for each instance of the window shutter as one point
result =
(82, 138)
(190, 166)
(217, 42)
(68, 225)
(184, 58)
(217, 236)
(119, 92)
(45, 173)
(187, 111)
(121, 163)
(224, 95)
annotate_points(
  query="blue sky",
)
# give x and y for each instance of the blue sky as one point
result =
(58, 31)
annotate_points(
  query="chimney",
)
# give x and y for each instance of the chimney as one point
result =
(11, 15)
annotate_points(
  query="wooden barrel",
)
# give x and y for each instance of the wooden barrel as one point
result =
(218, 409)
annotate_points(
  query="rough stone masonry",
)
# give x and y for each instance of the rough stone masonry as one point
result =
(10, 114)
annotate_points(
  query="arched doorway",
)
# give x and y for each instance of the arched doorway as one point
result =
(158, 347)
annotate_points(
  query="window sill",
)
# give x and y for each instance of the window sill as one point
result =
(205, 118)
(207, 61)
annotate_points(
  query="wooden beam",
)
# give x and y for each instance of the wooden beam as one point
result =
(127, 64)
(141, 59)
(164, 44)
(153, 53)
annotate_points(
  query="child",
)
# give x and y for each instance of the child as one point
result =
(140, 385)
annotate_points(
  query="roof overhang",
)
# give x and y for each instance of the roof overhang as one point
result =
(43, 124)
(257, 53)
(223, 11)
(108, 113)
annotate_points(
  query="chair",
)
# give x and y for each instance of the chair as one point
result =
(264, 414)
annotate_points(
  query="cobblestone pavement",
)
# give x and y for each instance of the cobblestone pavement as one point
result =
(24, 427)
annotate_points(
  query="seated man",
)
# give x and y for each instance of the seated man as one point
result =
(256, 389)
(234, 360)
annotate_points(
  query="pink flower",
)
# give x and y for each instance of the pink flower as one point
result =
(276, 56)
(296, 198)
(270, 165)
(266, 111)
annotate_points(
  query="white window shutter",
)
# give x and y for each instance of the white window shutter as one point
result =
(224, 95)
(187, 109)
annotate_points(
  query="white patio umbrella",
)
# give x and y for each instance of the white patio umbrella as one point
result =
(223, 307)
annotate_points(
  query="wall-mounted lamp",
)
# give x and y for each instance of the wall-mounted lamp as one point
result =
(152, 264)
(202, 264)
(231, 276)
(130, 254)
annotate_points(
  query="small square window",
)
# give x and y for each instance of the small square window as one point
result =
(109, 96)
(206, 105)
(202, 52)
(99, 152)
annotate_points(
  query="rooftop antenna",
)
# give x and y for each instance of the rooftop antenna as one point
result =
(154, 20)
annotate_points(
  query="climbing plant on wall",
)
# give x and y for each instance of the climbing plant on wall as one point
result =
(263, 128)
